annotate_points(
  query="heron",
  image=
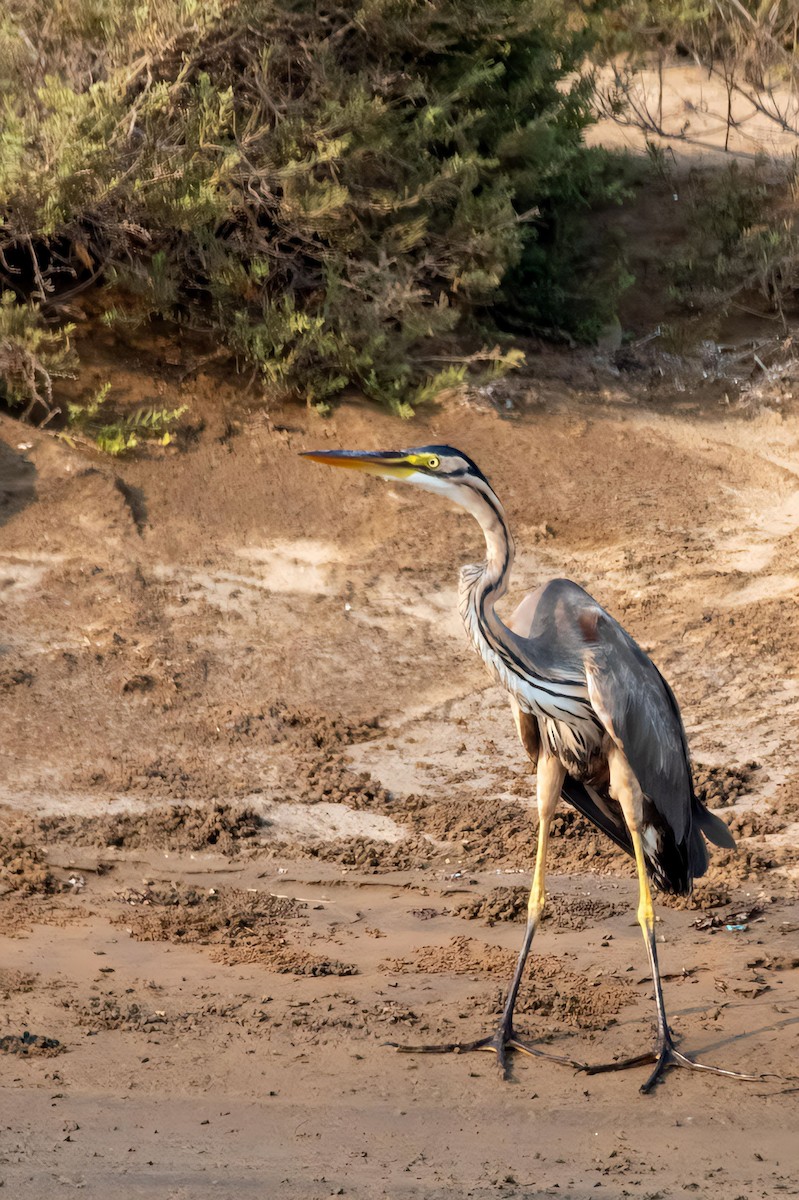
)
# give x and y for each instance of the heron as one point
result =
(594, 715)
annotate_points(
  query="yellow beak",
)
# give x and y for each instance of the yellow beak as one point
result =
(390, 464)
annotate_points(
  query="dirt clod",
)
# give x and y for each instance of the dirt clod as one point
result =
(29, 1044)
(510, 904)
(241, 927)
(222, 826)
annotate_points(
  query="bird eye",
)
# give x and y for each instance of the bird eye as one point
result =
(433, 462)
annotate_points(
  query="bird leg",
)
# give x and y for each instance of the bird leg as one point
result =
(665, 1053)
(549, 782)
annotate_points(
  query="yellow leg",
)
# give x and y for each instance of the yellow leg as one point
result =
(646, 913)
(549, 781)
(665, 1054)
(538, 892)
(550, 778)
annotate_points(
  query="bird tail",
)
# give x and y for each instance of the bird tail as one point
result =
(675, 865)
(712, 826)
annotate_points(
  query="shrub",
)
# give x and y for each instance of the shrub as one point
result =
(327, 188)
(741, 236)
(31, 356)
(116, 434)
(742, 222)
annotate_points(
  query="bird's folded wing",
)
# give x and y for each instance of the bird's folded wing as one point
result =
(638, 710)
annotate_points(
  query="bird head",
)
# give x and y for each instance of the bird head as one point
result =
(441, 469)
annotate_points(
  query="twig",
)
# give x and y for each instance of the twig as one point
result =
(747, 16)
(54, 412)
(37, 274)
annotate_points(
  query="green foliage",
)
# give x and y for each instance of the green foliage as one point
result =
(117, 435)
(755, 38)
(733, 242)
(742, 223)
(32, 354)
(571, 273)
(329, 190)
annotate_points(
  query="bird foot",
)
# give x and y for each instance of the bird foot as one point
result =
(500, 1042)
(664, 1056)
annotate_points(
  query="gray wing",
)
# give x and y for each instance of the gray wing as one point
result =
(567, 634)
(639, 711)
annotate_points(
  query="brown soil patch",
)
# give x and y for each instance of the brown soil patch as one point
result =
(16, 982)
(461, 956)
(708, 893)
(224, 827)
(573, 999)
(309, 740)
(30, 1045)
(131, 1013)
(23, 867)
(261, 628)
(241, 927)
(366, 854)
(755, 824)
(551, 990)
(718, 787)
(19, 913)
(510, 904)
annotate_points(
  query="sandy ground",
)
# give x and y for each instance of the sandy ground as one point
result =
(264, 812)
(689, 115)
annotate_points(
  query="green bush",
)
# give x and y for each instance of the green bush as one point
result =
(741, 236)
(31, 356)
(327, 189)
(117, 434)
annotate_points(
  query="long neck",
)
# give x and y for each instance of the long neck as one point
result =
(481, 584)
(555, 691)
